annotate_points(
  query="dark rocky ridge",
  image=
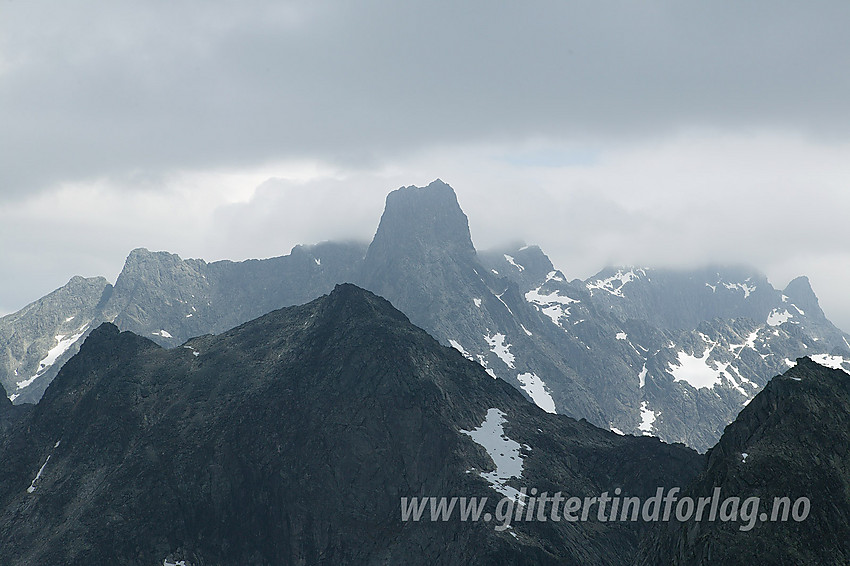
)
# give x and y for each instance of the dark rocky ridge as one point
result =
(290, 440)
(796, 437)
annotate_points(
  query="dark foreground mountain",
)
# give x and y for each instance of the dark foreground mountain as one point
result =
(10, 414)
(291, 440)
(792, 441)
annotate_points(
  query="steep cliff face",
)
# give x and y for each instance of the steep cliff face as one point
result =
(421, 258)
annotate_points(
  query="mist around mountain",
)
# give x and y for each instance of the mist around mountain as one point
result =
(292, 439)
(694, 347)
(673, 354)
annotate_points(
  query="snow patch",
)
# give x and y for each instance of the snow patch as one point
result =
(535, 296)
(744, 456)
(162, 333)
(647, 419)
(775, 318)
(696, 370)
(536, 389)
(642, 375)
(64, 342)
(504, 303)
(477, 302)
(622, 336)
(552, 304)
(32, 486)
(614, 284)
(504, 452)
(616, 430)
(750, 343)
(526, 330)
(834, 362)
(502, 350)
(194, 351)
(741, 380)
(456, 345)
(745, 287)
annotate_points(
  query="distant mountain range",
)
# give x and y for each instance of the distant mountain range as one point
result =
(674, 354)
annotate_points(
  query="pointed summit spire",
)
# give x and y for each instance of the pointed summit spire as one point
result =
(422, 220)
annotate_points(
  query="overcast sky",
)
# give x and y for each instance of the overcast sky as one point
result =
(670, 133)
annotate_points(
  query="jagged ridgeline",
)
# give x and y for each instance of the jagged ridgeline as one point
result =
(291, 439)
(674, 354)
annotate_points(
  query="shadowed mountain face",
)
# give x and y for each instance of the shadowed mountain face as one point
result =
(792, 440)
(10, 415)
(675, 354)
(291, 440)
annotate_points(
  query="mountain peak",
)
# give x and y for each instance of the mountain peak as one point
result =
(423, 219)
(348, 299)
(801, 294)
(422, 255)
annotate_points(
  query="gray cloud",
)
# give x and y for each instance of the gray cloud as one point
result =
(90, 90)
(662, 132)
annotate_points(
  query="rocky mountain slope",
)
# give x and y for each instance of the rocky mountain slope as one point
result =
(675, 354)
(790, 442)
(163, 297)
(291, 440)
(696, 346)
(38, 339)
